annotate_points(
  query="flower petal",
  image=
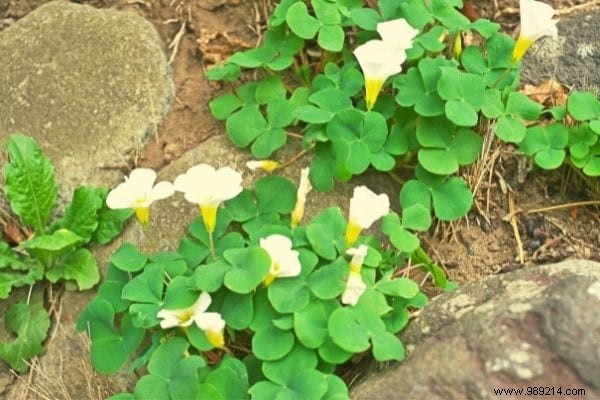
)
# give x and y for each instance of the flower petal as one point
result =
(355, 287)
(202, 303)
(366, 207)
(162, 190)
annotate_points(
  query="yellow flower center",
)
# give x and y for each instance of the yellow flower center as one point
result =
(523, 44)
(143, 215)
(209, 215)
(352, 232)
(215, 338)
(185, 316)
(372, 89)
(272, 275)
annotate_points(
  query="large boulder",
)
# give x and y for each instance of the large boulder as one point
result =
(573, 59)
(90, 85)
(535, 327)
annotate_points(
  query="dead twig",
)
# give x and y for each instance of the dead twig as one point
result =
(515, 226)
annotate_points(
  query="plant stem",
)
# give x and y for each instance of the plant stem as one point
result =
(297, 156)
(211, 242)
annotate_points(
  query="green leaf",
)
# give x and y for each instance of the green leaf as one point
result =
(30, 322)
(269, 141)
(332, 353)
(451, 199)
(223, 106)
(418, 87)
(288, 295)
(30, 185)
(310, 324)
(387, 346)
(398, 287)
(272, 343)
(365, 18)
(81, 215)
(546, 144)
(485, 27)
(109, 350)
(237, 310)
(128, 258)
(229, 381)
(347, 332)
(110, 224)
(331, 38)
(22, 271)
(492, 106)
(301, 22)
(245, 125)
(312, 114)
(275, 194)
(228, 72)
(250, 266)
(112, 287)
(48, 248)
(329, 281)
(416, 217)
(510, 129)
(79, 266)
(146, 287)
(284, 371)
(522, 106)
(269, 89)
(209, 277)
(325, 232)
(583, 106)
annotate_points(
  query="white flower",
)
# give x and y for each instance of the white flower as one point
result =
(265, 165)
(210, 322)
(536, 22)
(208, 188)
(284, 260)
(358, 257)
(355, 287)
(139, 192)
(397, 31)
(380, 59)
(366, 207)
(303, 189)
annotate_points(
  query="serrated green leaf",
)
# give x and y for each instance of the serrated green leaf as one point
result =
(48, 248)
(30, 185)
(81, 215)
(110, 224)
(30, 322)
(79, 266)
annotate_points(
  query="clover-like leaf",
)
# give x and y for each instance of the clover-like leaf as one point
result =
(250, 266)
(546, 144)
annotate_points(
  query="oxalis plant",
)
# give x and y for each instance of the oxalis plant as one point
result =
(409, 85)
(255, 303)
(38, 249)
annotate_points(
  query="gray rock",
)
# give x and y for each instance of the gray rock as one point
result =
(573, 59)
(538, 326)
(90, 85)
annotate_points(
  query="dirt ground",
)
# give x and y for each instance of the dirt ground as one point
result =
(199, 33)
